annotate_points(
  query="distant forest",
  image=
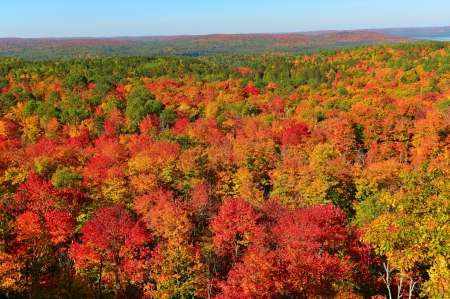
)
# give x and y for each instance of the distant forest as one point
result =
(204, 45)
(72, 48)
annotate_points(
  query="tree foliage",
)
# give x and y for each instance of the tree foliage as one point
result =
(233, 176)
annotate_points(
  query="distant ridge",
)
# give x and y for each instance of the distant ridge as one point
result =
(198, 45)
(407, 32)
(415, 31)
(357, 36)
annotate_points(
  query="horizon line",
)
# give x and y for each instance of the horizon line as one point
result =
(207, 34)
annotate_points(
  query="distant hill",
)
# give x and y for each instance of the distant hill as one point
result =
(191, 45)
(357, 36)
(415, 31)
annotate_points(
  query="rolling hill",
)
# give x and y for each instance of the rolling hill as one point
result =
(415, 31)
(189, 45)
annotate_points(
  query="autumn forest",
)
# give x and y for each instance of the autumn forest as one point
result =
(230, 176)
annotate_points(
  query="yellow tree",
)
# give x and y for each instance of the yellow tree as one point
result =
(176, 264)
(414, 233)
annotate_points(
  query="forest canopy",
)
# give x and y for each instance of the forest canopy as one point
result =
(232, 176)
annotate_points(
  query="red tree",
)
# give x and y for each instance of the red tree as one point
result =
(113, 252)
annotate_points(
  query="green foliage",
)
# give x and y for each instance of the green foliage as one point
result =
(141, 103)
(343, 104)
(75, 79)
(167, 118)
(243, 108)
(7, 100)
(443, 105)
(342, 91)
(30, 108)
(66, 177)
(369, 209)
(3, 83)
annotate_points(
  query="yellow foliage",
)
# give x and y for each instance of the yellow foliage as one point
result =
(297, 185)
(116, 190)
(321, 157)
(227, 97)
(225, 184)
(144, 183)
(153, 167)
(190, 110)
(438, 286)
(212, 109)
(9, 273)
(51, 128)
(347, 294)
(14, 176)
(379, 176)
(141, 163)
(41, 165)
(73, 131)
(405, 91)
(31, 129)
(246, 187)
(16, 113)
(128, 87)
(316, 193)
(87, 124)
(3, 130)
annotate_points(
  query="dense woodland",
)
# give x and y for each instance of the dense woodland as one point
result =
(190, 45)
(235, 176)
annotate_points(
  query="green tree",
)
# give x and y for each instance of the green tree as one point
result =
(141, 102)
(75, 79)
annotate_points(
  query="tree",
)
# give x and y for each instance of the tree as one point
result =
(301, 253)
(140, 103)
(412, 232)
(234, 228)
(114, 253)
(176, 265)
(75, 79)
(308, 244)
(41, 221)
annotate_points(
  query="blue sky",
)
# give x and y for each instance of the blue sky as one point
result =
(102, 18)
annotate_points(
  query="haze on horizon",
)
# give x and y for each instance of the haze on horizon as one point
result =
(101, 18)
